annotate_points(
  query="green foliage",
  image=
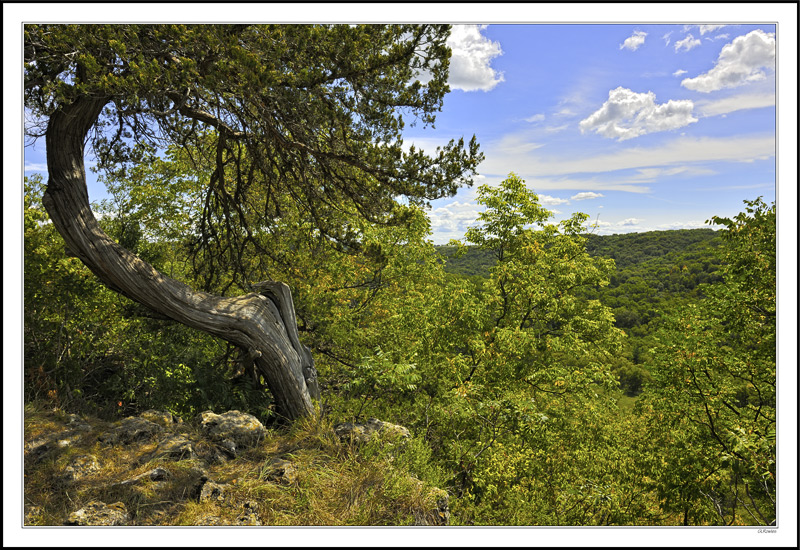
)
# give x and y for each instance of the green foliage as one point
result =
(88, 349)
(714, 384)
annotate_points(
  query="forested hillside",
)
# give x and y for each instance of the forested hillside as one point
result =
(265, 255)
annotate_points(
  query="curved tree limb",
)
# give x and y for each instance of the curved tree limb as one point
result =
(254, 322)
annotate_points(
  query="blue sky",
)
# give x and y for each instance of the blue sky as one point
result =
(643, 127)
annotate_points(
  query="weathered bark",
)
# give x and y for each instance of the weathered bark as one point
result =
(263, 324)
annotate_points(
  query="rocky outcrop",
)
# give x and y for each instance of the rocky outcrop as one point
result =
(166, 464)
(99, 513)
(363, 433)
(131, 430)
(80, 467)
(280, 471)
(233, 430)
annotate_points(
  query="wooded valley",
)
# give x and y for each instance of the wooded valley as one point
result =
(255, 255)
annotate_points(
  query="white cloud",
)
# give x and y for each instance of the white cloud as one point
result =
(679, 72)
(667, 38)
(740, 62)
(535, 118)
(586, 195)
(517, 144)
(631, 221)
(36, 167)
(547, 200)
(453, 218)
(628, 114)
(680, 151)
(709, 28)
(633, 42)
(687, 43)
(718, 37)
(735, 103)
(648, 175)
(470, 65)
(556, 129)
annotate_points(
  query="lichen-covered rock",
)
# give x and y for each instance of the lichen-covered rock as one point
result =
(174, 447)
(233, 430)
(362, 433)
(99, 513)
(156, 474)
(75, 422)
(131, 430)
(32, 514)
(281, 471)
(44, 446)
(439, 513)
(211, 521)
(80, 467)
(250, 514)
(213, 492)
(163, 418)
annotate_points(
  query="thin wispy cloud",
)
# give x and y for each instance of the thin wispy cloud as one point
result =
(731, 104)
(586, 195)
(687, 44)
(535, 118)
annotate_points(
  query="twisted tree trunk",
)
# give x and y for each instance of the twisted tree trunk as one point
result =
(261, 323)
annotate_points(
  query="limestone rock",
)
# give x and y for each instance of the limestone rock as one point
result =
(362, 433)
(233, 430)
(174, 447)
(156, 474)
(99, 513)
(281, 471)
(214, 492)
(163, 418)
(80, 467)
(435, 515)
(211, 520)
(75, 422)
(44, 446)
(32, 514)
(250, 514)
(130, 430)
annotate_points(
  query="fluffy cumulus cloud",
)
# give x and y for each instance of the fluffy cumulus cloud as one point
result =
(688, 43)
(452, 220)
(628, 114)
(470, 65)
(633, 42)
(742, 61)
(631, 221)
(586, 195)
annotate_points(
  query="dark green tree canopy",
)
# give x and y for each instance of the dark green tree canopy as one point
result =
(300, 116)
